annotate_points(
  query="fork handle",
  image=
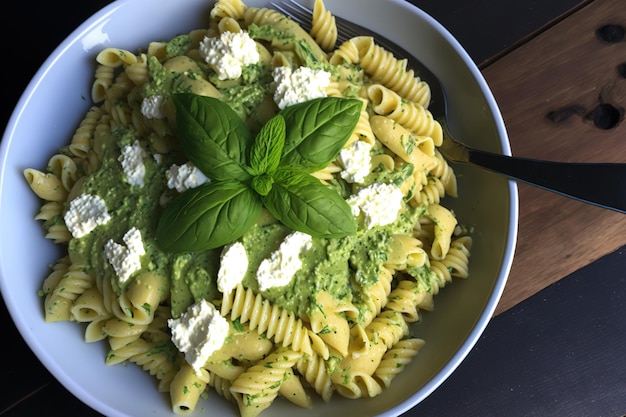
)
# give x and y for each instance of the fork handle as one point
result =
(600, 184)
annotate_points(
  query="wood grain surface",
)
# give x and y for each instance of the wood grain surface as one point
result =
(553, 91)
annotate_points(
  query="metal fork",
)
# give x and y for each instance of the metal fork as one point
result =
(599, 184)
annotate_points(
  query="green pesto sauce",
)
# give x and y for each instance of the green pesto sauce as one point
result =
(342, 267)
(192, 275)
(178, 45)
(245, 98)
(164, 82)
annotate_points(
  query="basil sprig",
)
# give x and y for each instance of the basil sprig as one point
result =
(272, 170)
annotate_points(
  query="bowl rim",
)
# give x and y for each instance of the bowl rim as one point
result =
(22, 323)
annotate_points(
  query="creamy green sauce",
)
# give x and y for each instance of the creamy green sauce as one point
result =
(179, 45)
(343, 267)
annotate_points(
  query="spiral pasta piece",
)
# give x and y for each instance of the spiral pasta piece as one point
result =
(278, 324)
(360, 385)
(405, 251)
(51, 214)
(152, 358)
(446, 175)
(228, 8)
(363, 129)
(157, 363)
(83, 136)
(104, 75)
(396, 360)
(327, 173)
(313, 369)
(137, 71)
(62, 287)
(256, 389)
(120, 333)
(376, 296)
(383, 67)
(292, 390)
(431, 193)
(323, 27)
(411, 115)
(49, 211)
(457, 259)
(355, 378)
(408, 298)
(456, 262)
(120, 88)
(221, 386)
(261, 16)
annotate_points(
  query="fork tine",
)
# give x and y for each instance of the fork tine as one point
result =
(298, 12)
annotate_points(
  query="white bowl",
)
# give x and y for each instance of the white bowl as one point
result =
(54, 103)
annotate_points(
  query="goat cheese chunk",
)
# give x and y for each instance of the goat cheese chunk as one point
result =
(86, 212)
(132, 163)
(229, 53)
(356, 161)
(125, 259)
(279, 269)
(293, 87)
(198, 333)
(152, 107)
(233, 266)
(183, 177)
(379, 203)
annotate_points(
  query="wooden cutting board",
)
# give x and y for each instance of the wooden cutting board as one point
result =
(562, 95)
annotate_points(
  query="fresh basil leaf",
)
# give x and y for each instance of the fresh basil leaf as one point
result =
(206, 217)
(262, 184)
(268, 146)
(317, 130)
(301, 202)
(213, 136)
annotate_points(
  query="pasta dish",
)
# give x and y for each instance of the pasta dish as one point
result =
(254, 211)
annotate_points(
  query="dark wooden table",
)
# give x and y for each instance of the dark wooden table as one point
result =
(556, 346)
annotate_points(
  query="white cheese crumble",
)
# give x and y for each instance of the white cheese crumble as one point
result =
(152, 107)
(229, 53)
(132, 163)
(356, 160)
(303, 84)
(125, 259)
(279, 269)
(184, 177)
(86, 212)
(379, 203)
(233, 266)
(199, 332)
